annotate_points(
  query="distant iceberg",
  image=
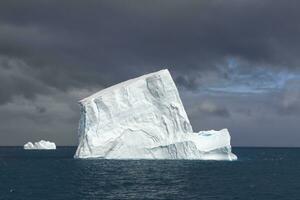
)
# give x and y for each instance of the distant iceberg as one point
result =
(41, 145)
(144, 118)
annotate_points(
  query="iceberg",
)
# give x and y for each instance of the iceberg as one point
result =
(41, 145)
(144, 118)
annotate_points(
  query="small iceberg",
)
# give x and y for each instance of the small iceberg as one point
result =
(41, 145)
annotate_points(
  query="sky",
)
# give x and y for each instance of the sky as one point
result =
(236, 63)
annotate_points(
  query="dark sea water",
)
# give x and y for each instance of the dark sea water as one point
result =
(260, 173)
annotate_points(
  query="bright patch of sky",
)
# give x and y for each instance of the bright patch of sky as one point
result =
(239, 79)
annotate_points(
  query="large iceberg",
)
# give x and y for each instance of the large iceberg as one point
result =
(143, 118)
(41, 145)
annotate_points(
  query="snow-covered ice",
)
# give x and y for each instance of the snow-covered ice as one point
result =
(41, 145)
(144, 118)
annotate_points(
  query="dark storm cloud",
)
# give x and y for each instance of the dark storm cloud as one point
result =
(82, 43)
(18, 79)
(236, 47)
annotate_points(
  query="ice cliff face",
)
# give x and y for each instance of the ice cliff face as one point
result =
(143, 118)
(41, 145)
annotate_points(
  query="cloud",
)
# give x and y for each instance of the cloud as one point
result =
(19, 79)
(289, 103)
(233, 61)
(207, 108)
(53, 117)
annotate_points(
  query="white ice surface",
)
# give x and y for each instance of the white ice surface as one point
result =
(143, 118)
(41, 145)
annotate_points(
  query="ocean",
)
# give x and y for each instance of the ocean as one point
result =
(259, 174)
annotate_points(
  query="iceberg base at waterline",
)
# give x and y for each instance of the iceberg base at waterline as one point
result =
(205, 145)
(144, 118)
(41, 145)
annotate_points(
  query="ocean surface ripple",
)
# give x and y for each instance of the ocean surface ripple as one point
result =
(260, 173)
